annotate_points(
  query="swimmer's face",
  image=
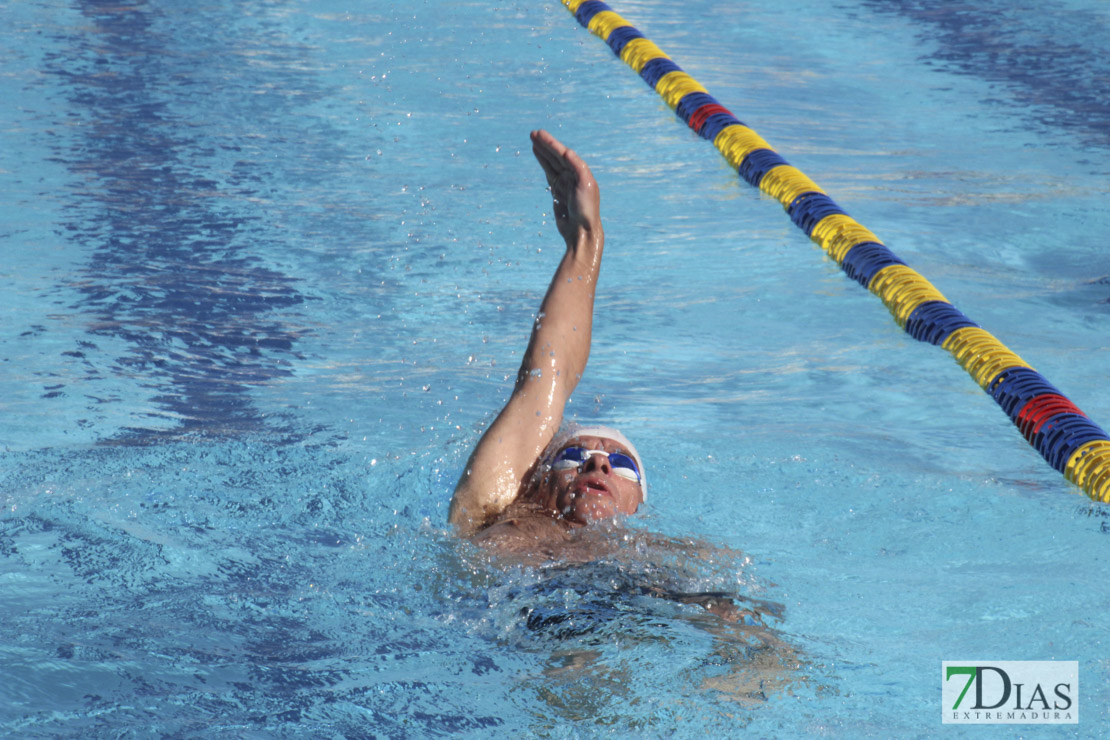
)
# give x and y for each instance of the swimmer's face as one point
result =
(592, 491)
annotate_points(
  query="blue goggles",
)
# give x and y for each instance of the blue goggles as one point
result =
(575, 457)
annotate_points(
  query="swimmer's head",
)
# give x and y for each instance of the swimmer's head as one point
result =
(591, 473)
(572, 431)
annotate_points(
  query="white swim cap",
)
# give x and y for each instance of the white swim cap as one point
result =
(573, 430)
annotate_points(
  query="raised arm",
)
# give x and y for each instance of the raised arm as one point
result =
(506, 455)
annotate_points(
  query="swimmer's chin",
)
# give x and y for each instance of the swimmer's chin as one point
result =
(592, 509)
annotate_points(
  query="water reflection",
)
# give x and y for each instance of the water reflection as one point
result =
(171, 208)
(1056, 70)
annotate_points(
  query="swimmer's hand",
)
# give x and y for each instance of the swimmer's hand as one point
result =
(574, 191)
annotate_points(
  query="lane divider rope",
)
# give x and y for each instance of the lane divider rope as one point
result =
(1052, 424)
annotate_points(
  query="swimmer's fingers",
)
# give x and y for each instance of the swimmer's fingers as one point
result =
(562, 179)
(562, 165)
(550, 152)
(562, 158)
(576, 164)
(573, 188)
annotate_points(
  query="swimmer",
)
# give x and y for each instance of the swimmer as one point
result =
(542, 493)
(527, 485)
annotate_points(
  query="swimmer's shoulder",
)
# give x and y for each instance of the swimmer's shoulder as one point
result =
(523, 525)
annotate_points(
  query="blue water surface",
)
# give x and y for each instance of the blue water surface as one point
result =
(269, 268)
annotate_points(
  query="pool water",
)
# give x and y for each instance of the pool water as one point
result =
(269, 268)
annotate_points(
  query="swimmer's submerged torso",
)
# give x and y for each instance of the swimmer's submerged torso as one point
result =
(527, 534)
(589, 595)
